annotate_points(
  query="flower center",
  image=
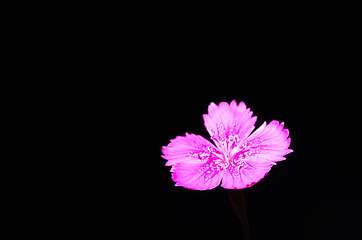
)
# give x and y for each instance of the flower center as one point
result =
(231, 155)
(238, 156)
(226, 139)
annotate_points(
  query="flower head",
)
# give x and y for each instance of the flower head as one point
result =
(239, 158)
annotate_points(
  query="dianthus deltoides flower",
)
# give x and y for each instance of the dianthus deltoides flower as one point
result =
(239, 158)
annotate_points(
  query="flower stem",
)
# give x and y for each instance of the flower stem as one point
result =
(238, 202)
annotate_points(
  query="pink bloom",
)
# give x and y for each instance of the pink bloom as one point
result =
(239, 158)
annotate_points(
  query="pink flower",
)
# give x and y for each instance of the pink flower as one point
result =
(239, 158)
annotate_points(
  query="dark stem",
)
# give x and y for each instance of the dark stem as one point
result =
(238, 202)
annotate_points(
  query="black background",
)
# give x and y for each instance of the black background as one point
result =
(314, 194)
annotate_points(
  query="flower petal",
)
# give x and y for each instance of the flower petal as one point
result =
(198, 176)
(257, 154)
(246, 176)
(196, 162)
(269, 143)
(228, 124)
(191, 148)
